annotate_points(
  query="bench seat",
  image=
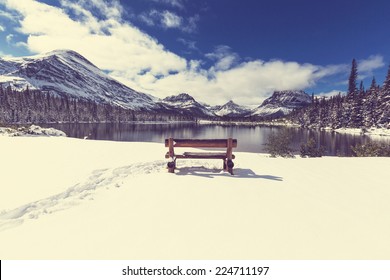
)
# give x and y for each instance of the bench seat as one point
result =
(212, 155)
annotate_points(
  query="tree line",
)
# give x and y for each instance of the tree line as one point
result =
(359, 108)
(35, 106)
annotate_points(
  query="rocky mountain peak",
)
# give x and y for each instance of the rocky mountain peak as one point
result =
(182, 97)
(230, 109)
(281, 103)
(66, 72)
(288, 98)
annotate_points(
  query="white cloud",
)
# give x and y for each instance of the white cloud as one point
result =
(224, 58)
(2, 28)
(246, 83)
(148, 18)
(367, 66)
(8, 15)
(191, 45)
(174, 3)
(141, 62)
(171, 20)
(329, 70)
(21, 45)
(108, 8)
(191, 24)
(9, 38)
(109, 43)
(331, 93)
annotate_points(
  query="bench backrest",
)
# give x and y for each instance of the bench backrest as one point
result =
(202, 143)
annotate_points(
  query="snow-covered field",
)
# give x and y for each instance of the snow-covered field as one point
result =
(64, 198)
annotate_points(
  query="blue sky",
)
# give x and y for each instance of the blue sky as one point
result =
(215, 50)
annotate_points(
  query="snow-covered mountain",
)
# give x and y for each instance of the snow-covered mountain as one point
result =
(65, 72)
(186, 104)
(230, 109)
(282, 103)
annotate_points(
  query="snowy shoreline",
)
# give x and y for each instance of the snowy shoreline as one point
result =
(32, 130)
(373, 131)
(365, 131)
(87, 199)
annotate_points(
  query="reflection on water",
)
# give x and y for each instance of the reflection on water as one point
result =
(250, 138)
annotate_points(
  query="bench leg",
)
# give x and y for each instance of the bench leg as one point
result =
(171, 166)
(230, 166)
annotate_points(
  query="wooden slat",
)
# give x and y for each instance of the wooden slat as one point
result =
(203, 155)
(201, 143)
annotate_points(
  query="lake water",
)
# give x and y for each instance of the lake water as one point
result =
(250, 138)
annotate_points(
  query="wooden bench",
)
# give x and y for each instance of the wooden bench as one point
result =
(226, 156)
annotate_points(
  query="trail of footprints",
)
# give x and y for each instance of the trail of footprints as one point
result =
(76, 194)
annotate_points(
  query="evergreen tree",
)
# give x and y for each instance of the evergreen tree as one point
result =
(361, 88)
(373, 84)
(386, 83)
(352, 89)
(384, 100)
(370, 105)
(354, 110)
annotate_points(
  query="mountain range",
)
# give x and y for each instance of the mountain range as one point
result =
(67, 73)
